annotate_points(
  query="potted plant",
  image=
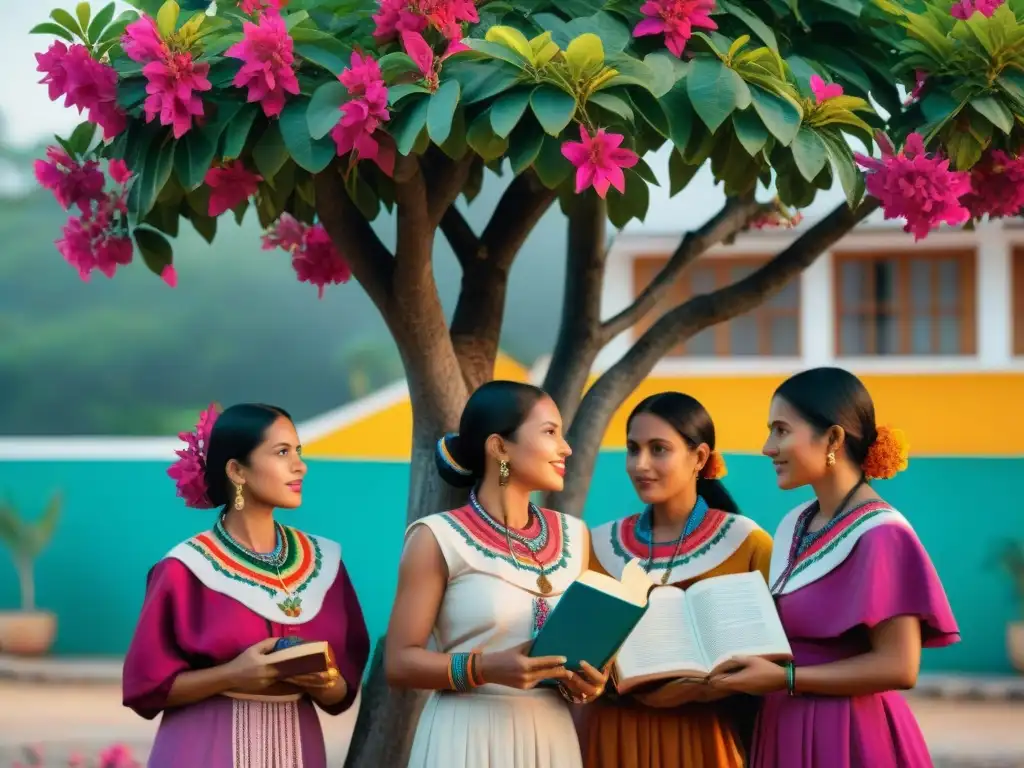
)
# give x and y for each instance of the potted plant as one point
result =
(27, 631)
(1013, 561)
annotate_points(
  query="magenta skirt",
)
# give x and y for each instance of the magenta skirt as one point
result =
(876, 731)
(233, 733)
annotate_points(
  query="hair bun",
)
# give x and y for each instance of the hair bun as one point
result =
(714, 467)
(448, 465)
(888, 455)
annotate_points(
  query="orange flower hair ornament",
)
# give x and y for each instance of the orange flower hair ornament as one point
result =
(888, 455)
(714, 467)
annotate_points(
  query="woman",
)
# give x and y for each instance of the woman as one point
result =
(479, 581)
(690, 530)
(856, 591)
(220, 601)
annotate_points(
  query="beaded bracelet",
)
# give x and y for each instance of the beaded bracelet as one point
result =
(459, 672)
(476, 671)
(791, 678)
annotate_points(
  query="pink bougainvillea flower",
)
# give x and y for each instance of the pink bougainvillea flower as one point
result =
(997, 186)
(422, 54)
(169, 275)
(363, 114)
(252, 7)
(55, 77)
(916, 187)
(676, 20)
(71, 182)
(173, 83)
(230, 185)
(86, 84)
(824, 91)
(119, 171)
(920, 78)
(141, 41)
(188, 472)
(966, 8)
(266, 51)
(314, 257)
(446, 16)
(599, 160)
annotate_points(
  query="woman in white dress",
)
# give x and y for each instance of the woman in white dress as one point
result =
(479, 581)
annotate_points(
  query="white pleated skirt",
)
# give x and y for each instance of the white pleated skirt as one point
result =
(494, 730)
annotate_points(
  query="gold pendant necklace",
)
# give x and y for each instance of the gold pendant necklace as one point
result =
(543, 584)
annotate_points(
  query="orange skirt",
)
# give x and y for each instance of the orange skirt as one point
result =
(627, 735)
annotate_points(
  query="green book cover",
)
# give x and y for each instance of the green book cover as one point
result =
(593, 617)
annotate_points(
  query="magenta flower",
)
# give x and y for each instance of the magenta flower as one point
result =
(446, 16)
(189, 471)
(170, 276)
(230, 185)
(676, 20)
(599, 160)
(824, 91)
(172, 87)
(965, 8)
(422, 54)
(915, 187)
(997, 186)
(314, 257)
(71, 182)
(141, 41)
(266, 50)
(85, 84)
(119, 171)
(252, 7)
(362, 116)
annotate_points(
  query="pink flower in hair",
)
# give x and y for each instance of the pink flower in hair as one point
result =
(189, 471)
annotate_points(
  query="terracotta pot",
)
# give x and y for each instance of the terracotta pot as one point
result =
(27, 633)
(1015, 644)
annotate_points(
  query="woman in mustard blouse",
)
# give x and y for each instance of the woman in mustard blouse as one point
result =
(690, 530)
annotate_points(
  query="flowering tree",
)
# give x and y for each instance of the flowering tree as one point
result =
(319, 113)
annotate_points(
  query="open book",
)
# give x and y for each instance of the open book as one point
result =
(686, 635)
(300, 658)
(594, 616)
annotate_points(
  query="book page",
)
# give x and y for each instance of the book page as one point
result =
(662, 644)
(631, 587)
(735, 615)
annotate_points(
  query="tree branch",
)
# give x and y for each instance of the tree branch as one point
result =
(371, 262)
(733, 216)
(446, 178)
(579, 333)
(461, 237)
(476, 324)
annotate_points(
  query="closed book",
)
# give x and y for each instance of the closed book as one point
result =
(304, 658)
(594, 616)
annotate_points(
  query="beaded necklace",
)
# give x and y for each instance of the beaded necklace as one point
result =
(273, 559)
(696, 517)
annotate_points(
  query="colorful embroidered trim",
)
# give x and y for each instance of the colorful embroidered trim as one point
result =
(835, 536)
(548, 530)
(626, 544)
(301, 565)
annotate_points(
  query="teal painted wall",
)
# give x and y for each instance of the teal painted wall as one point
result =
(120, 517)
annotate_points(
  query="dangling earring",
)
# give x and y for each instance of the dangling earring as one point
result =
(503, 473)
(830, 460)
(239, 501)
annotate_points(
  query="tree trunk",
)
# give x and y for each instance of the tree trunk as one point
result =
(26, 580)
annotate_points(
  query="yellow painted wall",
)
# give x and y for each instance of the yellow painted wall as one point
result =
(942, 414)
(387, 434)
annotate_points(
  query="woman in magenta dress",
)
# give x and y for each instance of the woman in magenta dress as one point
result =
(221, 600)
(857, 593)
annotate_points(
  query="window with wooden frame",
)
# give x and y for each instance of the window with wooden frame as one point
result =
(770, 330)
(1017, 300)
(915, 302)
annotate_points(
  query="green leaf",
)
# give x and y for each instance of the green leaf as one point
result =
(994, 111)
(236, 134)
(167, 18)
(395, 65)
(643, 170)
(677, 107)
(455, 145)
(850, 178)
(100, 22)
(753, 22)
(507, 111)
(398, 92)
(666, 69)
(47, 28)
(613, 34)
(553, 108)
(497, 51)
(406, 127)
(321, 49)
(81, 138)
(67, 21)
(852, 7)
(551, 166)
(269, 153)
(441, 111)
(308, 153)
(750, 131)
(613, 104)
(809, 153)
(193, 154)
(84, 12)
(632, 205)
(483, 140)
(780, 115)
(651, 110)
(156, 251)
(964, 150)
(630, 72)
(715, 91)
(156, 170)
(206, 226)
(584, 56)
(524, 145)
(163, 217)
(483, 80)
(325, 108)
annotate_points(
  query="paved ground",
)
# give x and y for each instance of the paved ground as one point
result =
(88, 716)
